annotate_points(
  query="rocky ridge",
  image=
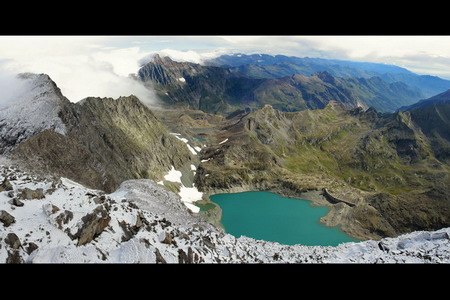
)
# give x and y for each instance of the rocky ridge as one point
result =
(224, 90)
(99, 142)
(143, 223)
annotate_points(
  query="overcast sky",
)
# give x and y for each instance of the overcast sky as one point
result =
(99, 65)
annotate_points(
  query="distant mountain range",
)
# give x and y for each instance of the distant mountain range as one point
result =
(230, 83)
(269, 66)
(273, 66)
(441, 98)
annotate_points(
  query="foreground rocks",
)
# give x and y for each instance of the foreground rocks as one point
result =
(143, 223)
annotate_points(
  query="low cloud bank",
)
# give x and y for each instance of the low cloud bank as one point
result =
(12, 88)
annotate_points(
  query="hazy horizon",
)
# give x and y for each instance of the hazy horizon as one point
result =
(85, 66)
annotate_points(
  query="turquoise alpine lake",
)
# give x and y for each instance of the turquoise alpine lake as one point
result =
(271, 217)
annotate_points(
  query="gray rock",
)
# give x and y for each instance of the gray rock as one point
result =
(31, 247)
(16, 202)
(207, 241)
(383, 247)
(6, 218)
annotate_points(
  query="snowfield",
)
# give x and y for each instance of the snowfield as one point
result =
(61, 221)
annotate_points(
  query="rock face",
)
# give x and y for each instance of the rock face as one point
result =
(125, 138)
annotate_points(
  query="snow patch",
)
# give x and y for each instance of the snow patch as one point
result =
(191, 149)
(189, 195)
(186, 141)
(173, 175)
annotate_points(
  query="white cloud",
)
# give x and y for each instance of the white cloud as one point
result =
(193, 56)
(421, 54)
(99, 65)
(11, 87)
(80, 66)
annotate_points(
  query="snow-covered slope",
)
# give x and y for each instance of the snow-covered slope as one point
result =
(34, 109)
(60, 221)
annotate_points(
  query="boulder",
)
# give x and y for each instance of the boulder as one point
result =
(31, 247)
(92, 225)
(13, 241)
(6, 218)
(16, 202)
(165, 238)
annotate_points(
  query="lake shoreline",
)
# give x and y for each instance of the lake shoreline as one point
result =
(269, 216)
(335, 216)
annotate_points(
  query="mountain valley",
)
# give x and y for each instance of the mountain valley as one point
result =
(107, 178)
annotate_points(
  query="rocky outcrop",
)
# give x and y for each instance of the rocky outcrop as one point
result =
(92, 225)
(105, 142)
